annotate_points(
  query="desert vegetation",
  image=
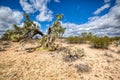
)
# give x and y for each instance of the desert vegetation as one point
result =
(73, 54)
(94, 40)
(30, 29)
(50, 57)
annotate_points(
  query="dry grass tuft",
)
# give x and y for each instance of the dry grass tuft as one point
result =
(83, 68)
(108, 55)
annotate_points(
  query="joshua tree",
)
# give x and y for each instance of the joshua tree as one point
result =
(30, 29)
(53, 32)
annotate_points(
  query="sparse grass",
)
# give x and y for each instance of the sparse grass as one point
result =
(3, 45)
(108, 55)
(6, 65)
(3, 65)
(4, 69)
(117, 43)
(83, 68)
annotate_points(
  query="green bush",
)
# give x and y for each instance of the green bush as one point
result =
(80, 39)
(116, 38)
(74, 39)
(97, 42)
(100, 42)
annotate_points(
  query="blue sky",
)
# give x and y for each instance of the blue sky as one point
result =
(97, 16)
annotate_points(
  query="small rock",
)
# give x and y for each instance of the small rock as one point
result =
(70, 64)
(96, 75)
(110, 78)
(108, 60)
(118, 52)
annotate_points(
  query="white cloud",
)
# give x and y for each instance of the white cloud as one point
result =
(32, 6)
(26, 6)
(8, 17)
(108, 24)
(99, 10)
(57, 1)
(45, 16)
(106, 1)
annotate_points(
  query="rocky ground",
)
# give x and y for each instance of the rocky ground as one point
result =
(97, 64)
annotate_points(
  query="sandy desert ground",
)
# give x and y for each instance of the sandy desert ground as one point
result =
(16, 64)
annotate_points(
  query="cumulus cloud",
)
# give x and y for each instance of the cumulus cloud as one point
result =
(105, 6)
(106, 1)
(8, 17)
(109, 24)
(31, 6)
(45, 16)
(27, 6)
(57, 1)
(99, 10)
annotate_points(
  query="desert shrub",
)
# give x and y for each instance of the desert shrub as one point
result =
(100, 42)
(86, 36)
(116, 38)
(83, 68)
(74, 39)
(6, 35)
(73, 54)
(83, 38)
(96, 41)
